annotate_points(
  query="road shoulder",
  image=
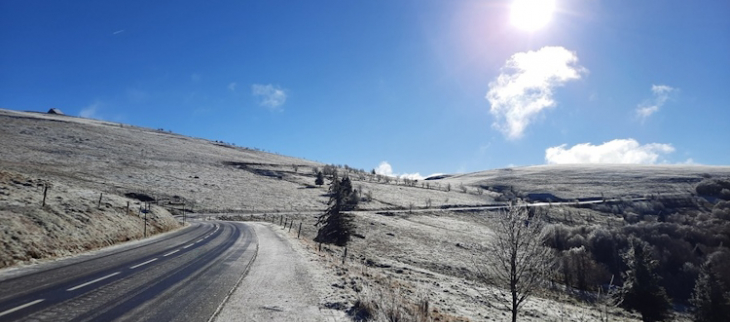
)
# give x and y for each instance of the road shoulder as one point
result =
(280, 286)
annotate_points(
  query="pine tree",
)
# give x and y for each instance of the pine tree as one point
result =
(320, 179)
(712, 303)
(641, 291)
(336, 225)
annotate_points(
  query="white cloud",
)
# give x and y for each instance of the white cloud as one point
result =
(661, 94)
(91, 111)
(626, 151)
(232, 86)
(118, 32)
(525, 87)
(384, 168)
(269, 95)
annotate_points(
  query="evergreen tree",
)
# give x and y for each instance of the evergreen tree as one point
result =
(712, 303)
(641, 290)
(320, 179)
(349, 194)
(336, 225)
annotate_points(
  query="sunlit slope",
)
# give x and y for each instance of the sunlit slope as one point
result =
(593, 181)
(121, 159)
(211, 176)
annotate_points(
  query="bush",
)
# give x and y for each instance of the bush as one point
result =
(713, 187)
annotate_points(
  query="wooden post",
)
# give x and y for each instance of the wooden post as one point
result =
(344, 256)
(290, 224)
(281, 219)
(320, 247)
(300, 230)
(127, 213)
(100, 195)
(145, 225)
(45, 192)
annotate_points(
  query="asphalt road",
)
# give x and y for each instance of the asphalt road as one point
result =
(182, 276)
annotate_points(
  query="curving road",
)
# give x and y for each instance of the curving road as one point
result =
(182, 276)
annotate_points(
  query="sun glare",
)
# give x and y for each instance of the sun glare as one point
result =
(531, 15)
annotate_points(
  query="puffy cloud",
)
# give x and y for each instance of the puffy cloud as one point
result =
(269, 95)
(661, 94)
(384, 168)
(627, 151)
(525, 87)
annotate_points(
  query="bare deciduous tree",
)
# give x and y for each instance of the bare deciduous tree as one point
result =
(517, 259)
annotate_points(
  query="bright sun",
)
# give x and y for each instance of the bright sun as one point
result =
(531, 15)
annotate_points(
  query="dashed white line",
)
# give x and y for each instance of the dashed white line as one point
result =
(92, 282)
(199, 240)
(6, 312)
(145, 263)
(170, 253)
(188, 245)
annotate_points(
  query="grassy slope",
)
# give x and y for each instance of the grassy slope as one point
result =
(594, 181)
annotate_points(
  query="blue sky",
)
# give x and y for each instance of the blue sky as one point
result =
(426, 86)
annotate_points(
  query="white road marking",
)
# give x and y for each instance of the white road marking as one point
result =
(186, 246)
(170, 253)
(92, 282)
(6, 312)
(199, 240)
(145, 263)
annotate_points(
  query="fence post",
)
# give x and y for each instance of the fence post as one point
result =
(300, 230)
(100, 195)
(281, 219)
(127, 213)
(145, 225)
(290, 224)
(45, 192)
(344, 256)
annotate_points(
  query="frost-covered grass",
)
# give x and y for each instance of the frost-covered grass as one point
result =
(71, 222)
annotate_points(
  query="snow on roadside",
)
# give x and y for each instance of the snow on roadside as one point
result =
(385, 270)
(280, 286)
(71, 222)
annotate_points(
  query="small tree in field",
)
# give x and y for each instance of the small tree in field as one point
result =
(335, 225)
(517, 259)
(320, 179)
